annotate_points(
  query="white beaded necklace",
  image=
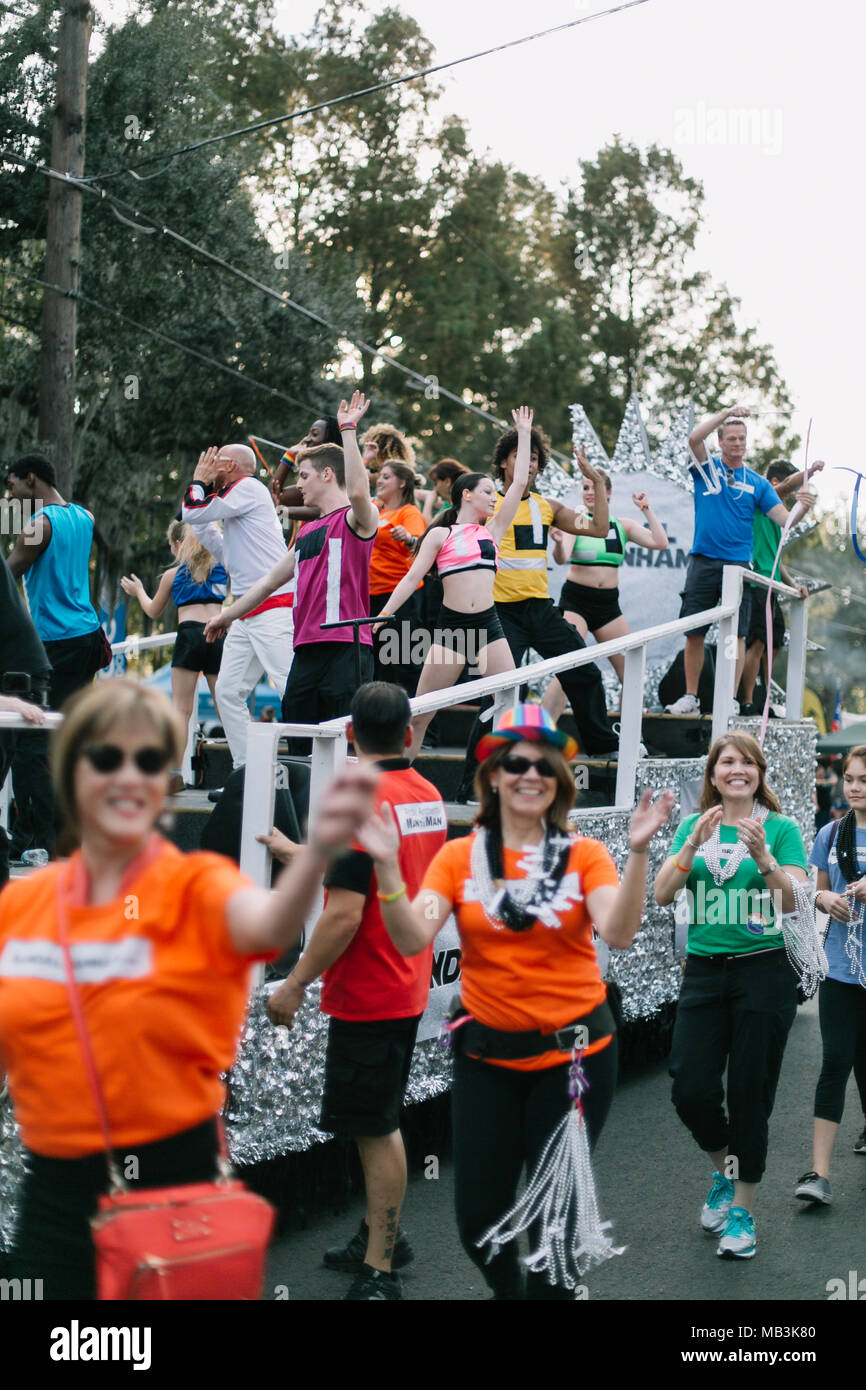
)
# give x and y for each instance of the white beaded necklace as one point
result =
(711, 850)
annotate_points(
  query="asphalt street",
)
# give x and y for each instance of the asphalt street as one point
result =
(652, 1181)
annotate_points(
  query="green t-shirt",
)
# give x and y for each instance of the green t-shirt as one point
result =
(738, 916)
(765, 543)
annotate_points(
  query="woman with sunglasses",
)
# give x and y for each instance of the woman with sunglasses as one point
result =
(526, 893)
(161, 944)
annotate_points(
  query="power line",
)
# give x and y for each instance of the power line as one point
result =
(429, 382)
(163, 337)
(270, 122)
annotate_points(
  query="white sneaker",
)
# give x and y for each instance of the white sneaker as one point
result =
(736, 706)
(686, 704)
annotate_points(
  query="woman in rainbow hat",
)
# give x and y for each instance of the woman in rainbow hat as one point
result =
(534, 1037)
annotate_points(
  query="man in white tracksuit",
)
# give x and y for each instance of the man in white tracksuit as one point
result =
(249, 545)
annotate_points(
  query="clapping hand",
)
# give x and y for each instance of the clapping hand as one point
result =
(345, 807)
(751, 832)
(132, 585)
(649, 818)
(379, 835)
(705, 825)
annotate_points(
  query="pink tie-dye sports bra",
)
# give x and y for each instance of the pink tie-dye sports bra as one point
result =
(469, 547)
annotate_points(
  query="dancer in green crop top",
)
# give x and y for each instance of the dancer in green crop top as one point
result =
(590, 595)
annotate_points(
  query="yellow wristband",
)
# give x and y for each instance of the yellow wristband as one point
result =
(392, 897)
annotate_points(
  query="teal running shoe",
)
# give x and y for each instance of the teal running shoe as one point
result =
(738, 1238)
(715, 1209)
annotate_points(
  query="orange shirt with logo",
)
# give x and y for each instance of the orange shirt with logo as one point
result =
(164, 994)
(543, 978)
(390, 559)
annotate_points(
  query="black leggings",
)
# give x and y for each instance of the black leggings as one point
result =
(734, 1015)
(59, 1196)
(502, 1120)
(842, 1012)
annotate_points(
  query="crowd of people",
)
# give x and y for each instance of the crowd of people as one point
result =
(163, 988)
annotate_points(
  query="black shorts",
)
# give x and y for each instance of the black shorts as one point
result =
(366, 1069)
(452, 629)
(193, 653)
(758, 620)
(597, 607)
(704, 590)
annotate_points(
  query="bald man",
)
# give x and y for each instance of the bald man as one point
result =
(251, 542)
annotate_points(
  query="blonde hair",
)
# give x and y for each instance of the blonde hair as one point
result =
(90, 714)
(391, 443)
(192, 553)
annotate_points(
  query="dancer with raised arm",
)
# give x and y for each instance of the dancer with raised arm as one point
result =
(464, 546)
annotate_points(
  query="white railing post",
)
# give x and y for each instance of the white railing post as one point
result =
(260, 780)
(329, 754)
(631, 719)
(796, 682)
(726, 650)
(4, 799)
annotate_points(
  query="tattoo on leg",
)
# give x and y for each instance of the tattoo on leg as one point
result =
(391, 1217)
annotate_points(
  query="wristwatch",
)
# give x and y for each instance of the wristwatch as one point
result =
(770, 869)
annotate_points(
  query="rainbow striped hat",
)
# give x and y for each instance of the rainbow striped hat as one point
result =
(529, 722)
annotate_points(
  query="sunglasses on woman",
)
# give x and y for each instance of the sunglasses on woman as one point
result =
(107, 757)
(517, 764)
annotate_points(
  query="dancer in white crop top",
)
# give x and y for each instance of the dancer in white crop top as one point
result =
(464, 545)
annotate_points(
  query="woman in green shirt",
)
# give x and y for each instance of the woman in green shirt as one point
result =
(738, 860)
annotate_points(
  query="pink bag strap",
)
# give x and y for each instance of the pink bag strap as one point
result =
(117, 1181)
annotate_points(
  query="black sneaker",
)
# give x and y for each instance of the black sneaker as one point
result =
(860, 1144)
(374, 1286)
(349, 1259)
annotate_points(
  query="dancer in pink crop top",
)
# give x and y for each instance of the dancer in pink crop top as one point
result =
(467, 547)
(464, 545)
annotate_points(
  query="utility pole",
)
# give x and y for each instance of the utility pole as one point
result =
(63, 245)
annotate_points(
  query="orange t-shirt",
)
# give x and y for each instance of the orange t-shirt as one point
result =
(164, 994)
(543, 978)
(391, 560)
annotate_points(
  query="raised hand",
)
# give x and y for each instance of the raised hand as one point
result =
(379, 835)
(741, 411)
(585, 466)
(357, 408)
(132, 585)
(205, 469)
(523, 417)
(641, 500)
(649, 818)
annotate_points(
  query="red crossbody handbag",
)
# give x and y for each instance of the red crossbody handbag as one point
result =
(204, 1240)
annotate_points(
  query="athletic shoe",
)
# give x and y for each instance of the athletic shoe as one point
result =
(374, 1286)
(738, 1238)
(860, 1144)
(686, 704)
(813, 1188)
(349, 1259)
(736, 705)
(715, 1210)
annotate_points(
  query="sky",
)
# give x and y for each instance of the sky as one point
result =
(759, 99)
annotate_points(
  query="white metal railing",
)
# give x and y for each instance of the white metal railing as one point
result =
(329, 739)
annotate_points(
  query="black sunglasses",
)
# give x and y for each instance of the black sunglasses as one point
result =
(107, 757)
(517, 763)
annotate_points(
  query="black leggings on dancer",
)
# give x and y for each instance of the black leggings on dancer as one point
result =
(502, 1119)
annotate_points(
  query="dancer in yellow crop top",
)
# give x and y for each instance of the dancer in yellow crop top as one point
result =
(590, 595)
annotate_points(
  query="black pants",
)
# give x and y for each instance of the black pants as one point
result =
(502, 1120)
(734, 1012)
(59, 1196)
(75, 661)
(538, 623)
(321, 684)
(842, 1012)
(406, 629)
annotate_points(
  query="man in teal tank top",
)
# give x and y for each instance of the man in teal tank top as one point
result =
(52, 555)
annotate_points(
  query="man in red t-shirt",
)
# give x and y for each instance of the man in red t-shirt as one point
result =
(374, 995)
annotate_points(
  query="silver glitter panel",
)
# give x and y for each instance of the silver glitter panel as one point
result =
(583, 434)
(632, 452)
(11, 1171)
(672, 459)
